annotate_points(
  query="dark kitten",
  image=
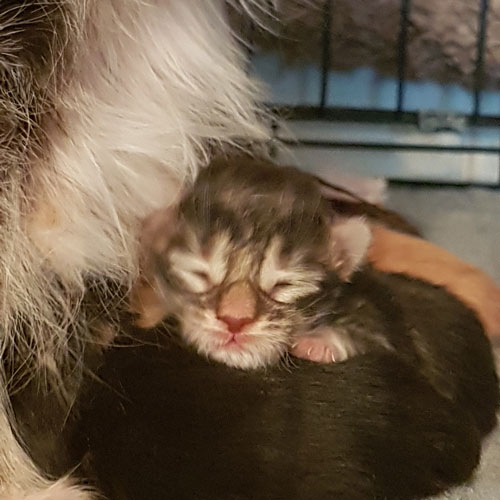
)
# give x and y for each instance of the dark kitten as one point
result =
(169, 424)
(162, 422)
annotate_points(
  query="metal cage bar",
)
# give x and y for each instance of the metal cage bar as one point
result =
(402, 53)
(481, 44)
(325, 56)
(398, 113)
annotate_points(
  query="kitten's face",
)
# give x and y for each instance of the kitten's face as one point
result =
(238, 302)
(241, 262)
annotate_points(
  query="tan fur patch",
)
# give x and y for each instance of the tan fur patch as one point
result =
(238, 301)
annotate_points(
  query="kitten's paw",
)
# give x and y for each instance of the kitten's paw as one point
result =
(323, 345)
(315, 349)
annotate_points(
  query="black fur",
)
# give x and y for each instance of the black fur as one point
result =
(391, 425)
(394, 425)
(424, 326)
(177, 426)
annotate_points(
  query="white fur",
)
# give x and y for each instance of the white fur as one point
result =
(63, 489)
(150, 83)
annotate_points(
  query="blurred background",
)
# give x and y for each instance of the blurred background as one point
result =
(406, 90)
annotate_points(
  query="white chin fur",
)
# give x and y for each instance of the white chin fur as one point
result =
(245, 360)
(262, 347)
(256, 353)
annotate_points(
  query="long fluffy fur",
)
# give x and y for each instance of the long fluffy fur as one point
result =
(106, 107)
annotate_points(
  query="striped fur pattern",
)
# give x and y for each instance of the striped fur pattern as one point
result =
(244, 261)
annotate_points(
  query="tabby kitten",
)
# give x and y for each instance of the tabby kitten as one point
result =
(242, 263)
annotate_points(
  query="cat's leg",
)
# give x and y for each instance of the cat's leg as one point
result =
(324, 345)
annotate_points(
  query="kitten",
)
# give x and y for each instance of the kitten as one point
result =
(249, 250)
(168, 424)
(253, 266)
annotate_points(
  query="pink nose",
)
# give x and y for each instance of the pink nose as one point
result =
(235, 325)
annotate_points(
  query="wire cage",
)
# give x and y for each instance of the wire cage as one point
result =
(410, 136)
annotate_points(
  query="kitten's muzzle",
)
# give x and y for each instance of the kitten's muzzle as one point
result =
(237, 306)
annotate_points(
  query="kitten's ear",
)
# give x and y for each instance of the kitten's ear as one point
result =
(157, 230)
(350, 239)
(146, 301)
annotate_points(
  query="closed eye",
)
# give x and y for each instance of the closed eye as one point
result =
(280, 285)
(200, 281)
(202, 275)
(287, 292)
(280, 290)
(192, 269)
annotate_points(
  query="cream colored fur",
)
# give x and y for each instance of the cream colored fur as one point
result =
(150, 84)
(139, 92)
